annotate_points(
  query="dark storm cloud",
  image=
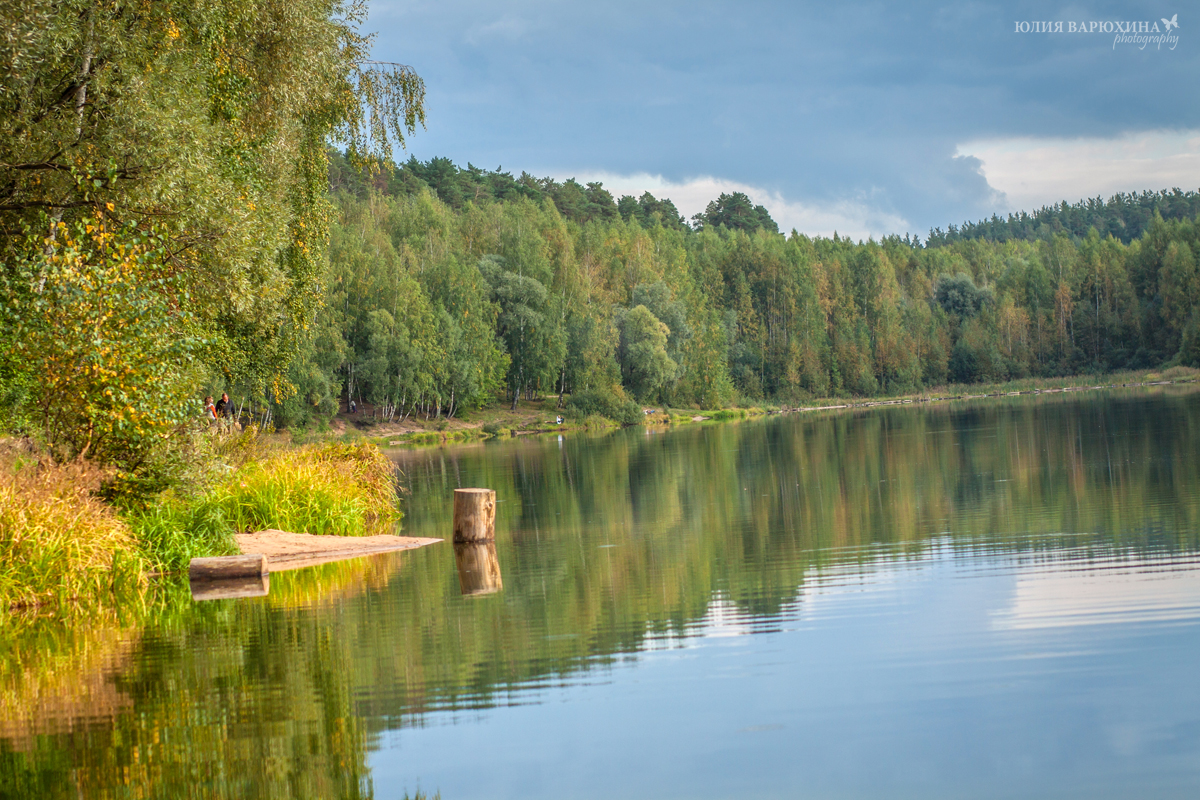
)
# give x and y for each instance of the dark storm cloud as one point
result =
(813, 102)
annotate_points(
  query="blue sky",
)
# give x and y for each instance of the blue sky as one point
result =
(865, 118)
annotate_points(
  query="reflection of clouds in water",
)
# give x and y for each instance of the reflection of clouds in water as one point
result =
(1078, 588)
(873, 577)
(1110, 591)
(724, 619)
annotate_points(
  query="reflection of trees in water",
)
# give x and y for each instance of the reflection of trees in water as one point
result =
(606, 542)
(218, 699)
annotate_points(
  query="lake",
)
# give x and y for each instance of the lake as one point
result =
(998, 598)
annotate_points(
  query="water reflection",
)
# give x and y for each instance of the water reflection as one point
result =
(663, 587)
(231, 588)
(478, 568)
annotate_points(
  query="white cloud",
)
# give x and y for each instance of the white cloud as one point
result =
(856, 218)
(1036, 172)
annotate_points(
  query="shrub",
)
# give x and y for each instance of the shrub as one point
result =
(585, 404)
(102, 349)
(964, 365)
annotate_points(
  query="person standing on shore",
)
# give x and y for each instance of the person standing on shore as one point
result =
(224, 409)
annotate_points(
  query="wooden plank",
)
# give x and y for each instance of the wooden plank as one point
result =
(286, 551)
(226, 567)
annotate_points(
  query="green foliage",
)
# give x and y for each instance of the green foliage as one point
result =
(212, 121)
(584, 405)
(103, 341)
(737, 212)
(1125, 217)
(959, 295)
(650, 211)
(643, 352)
(748, 314)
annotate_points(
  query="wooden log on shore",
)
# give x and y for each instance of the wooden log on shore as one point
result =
(474, 515)
(227, 567)
(205, 589)
(478, 568)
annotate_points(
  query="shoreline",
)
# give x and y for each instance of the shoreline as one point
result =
(423, 433)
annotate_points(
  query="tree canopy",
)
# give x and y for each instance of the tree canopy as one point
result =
(737, 212)
(202, 126)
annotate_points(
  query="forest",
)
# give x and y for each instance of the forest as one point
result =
(448, 286)
(1124, 216)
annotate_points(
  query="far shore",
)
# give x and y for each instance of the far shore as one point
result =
(540, 416)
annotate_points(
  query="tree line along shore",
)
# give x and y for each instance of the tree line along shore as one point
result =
(448, 288)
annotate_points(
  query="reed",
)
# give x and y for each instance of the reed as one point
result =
(175, 530)
(336, 488)
(58, 542)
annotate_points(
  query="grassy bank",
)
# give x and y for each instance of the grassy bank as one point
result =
(958, 392)
(333, 488)
(60, 543)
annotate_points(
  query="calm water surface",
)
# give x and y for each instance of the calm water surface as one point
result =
(999, 599)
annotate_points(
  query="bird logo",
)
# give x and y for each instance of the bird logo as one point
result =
(1173, 22)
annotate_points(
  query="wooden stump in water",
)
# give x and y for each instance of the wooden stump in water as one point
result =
(474, 515)
(226, 567)
(478, 568)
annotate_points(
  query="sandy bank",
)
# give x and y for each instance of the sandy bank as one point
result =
(296, 550)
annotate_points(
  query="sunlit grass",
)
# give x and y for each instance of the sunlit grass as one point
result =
(58, 542)
(336, 488)
(343, 489)
(173, 531)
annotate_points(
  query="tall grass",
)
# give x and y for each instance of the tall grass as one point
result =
(58, 542)
(336, 488)
(175, 530)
